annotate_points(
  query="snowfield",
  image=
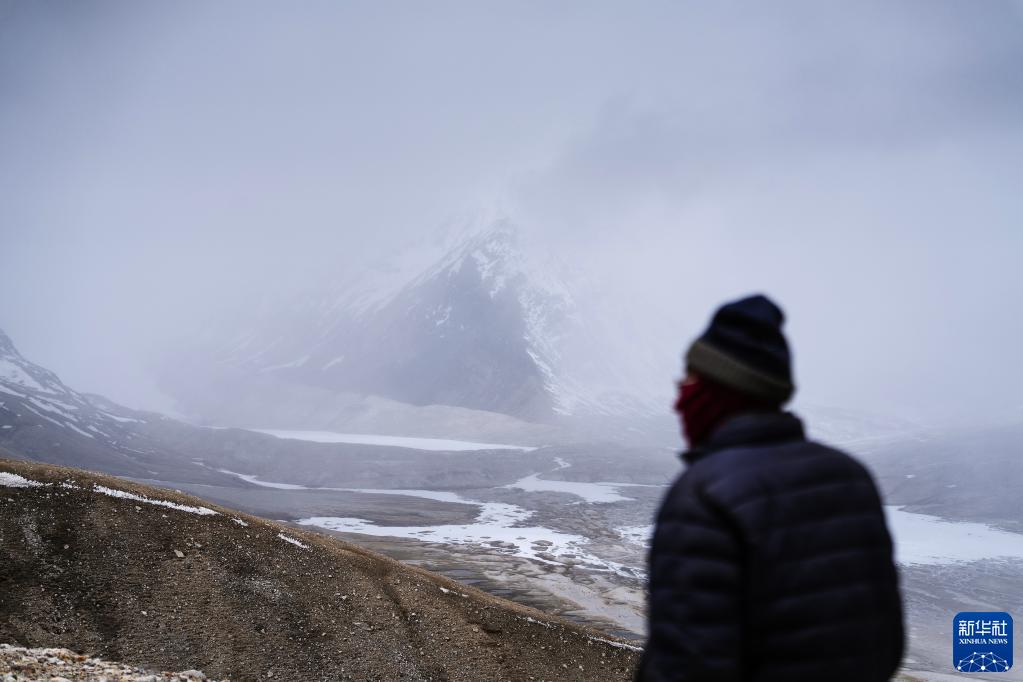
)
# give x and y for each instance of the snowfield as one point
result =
(433, 444)
(11, 372)
(265, 484)
(925, 539)
(497, 525)
(637, 535)
(590, 492)
(920, 539)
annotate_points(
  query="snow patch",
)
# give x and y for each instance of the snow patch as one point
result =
(620, 645)
(439, 495)
(434, 444)
(637, 535)
(441, 315)
(84, 433)
(498, 526)
(591, 492)
(286, 365)
(9, 480)
(264, 484)
(926, 539)
(15, 374)
(339, 359)
(202, 511)
(123, 420)
(293, 541)
(534, 621)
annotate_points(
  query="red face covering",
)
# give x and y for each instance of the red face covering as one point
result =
(703, 405)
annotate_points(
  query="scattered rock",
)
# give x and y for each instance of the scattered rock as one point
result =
(62, 665)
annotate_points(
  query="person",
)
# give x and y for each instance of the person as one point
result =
(771, 559)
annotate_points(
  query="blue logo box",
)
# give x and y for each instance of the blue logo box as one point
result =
(982, 642)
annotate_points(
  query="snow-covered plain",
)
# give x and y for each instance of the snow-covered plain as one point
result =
(496, 525)
(265, 484)
(433, 444)
(919, 539)
(637, 535)
(438, 495)
(925, 539)
(590, 492)
(497, 522)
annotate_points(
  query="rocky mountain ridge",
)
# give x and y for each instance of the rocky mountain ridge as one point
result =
(41, 418)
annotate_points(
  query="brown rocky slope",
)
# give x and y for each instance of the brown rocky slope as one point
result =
(166, 581)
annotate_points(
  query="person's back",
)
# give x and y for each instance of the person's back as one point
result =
(771, 559)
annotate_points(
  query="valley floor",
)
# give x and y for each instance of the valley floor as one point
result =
(163, 580)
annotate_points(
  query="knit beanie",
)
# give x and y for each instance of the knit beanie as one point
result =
(744, 349)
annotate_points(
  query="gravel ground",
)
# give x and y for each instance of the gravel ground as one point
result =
(58, 665)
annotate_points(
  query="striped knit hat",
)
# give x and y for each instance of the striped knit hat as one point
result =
(744, 348)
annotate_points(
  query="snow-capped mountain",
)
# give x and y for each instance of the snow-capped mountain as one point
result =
(30, 391)
(489, 323)
(43, 419)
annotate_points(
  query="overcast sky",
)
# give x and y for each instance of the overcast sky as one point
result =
(860, 161)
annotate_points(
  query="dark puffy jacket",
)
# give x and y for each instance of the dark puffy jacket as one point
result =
(771, 561)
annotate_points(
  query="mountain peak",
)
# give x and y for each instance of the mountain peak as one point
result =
(484, 319)
(7, 346)
(20, 375)
(494, 252)
(35, 394)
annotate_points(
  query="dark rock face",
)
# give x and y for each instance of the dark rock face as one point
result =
(446, 341)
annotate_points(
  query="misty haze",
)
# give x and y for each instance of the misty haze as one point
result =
(372, 281)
